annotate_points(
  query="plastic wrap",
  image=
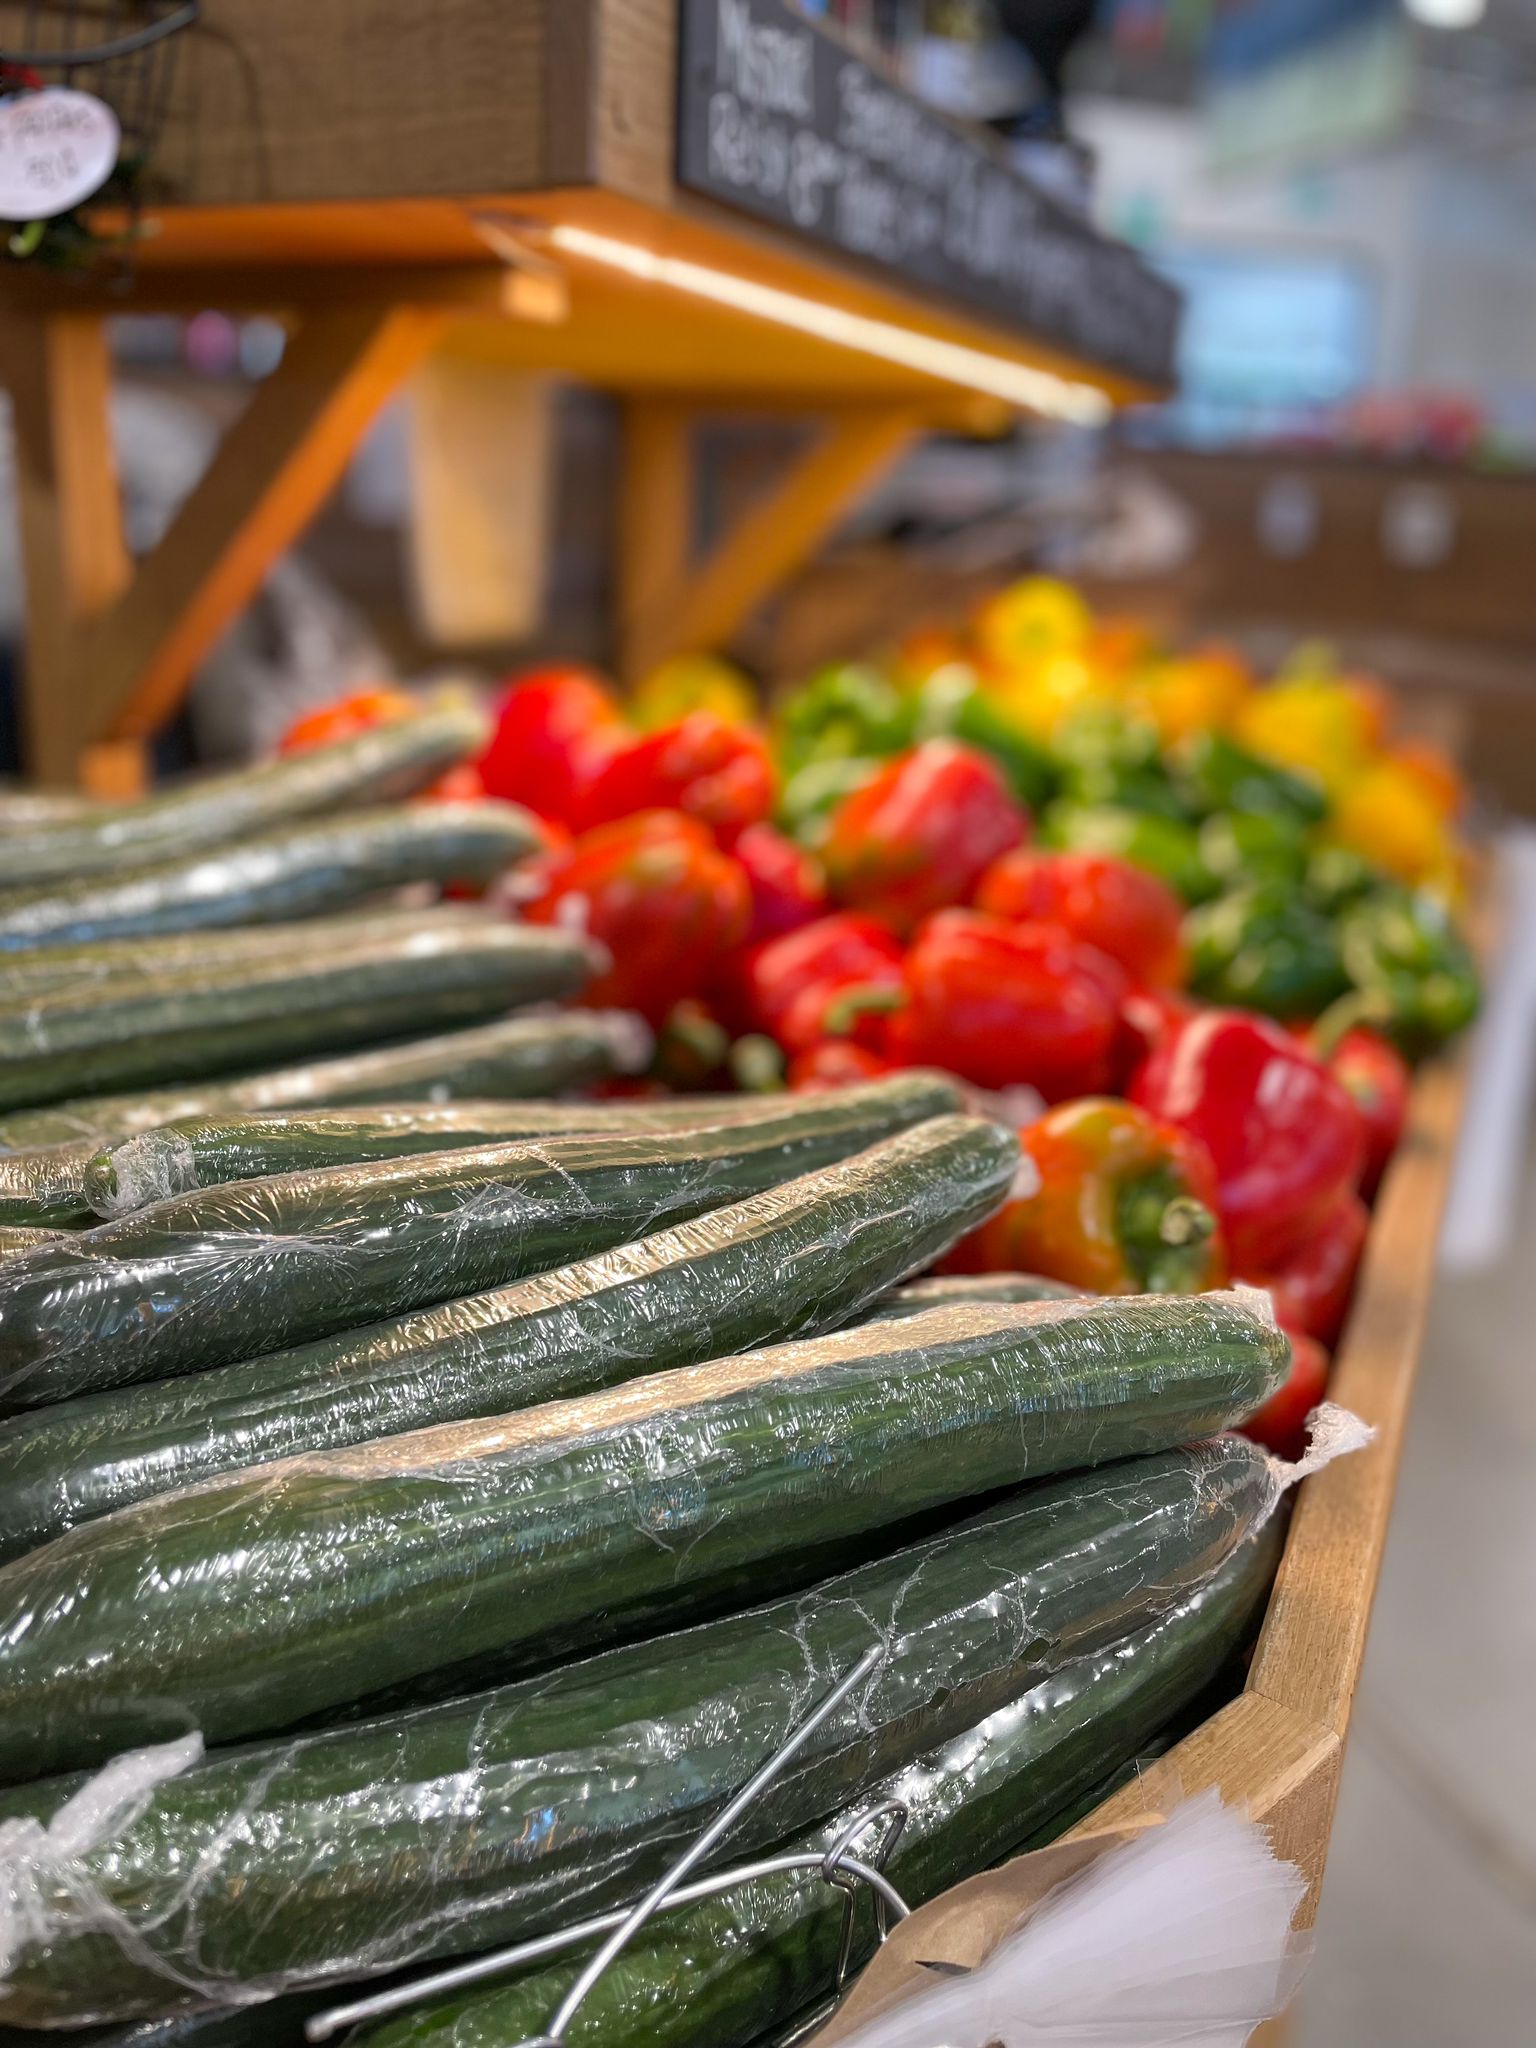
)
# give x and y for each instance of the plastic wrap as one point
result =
(189, 1024)
(232, 1272)
(301, 871)
(803, 1257)
(726, 1973)
(537, 1054)
(387, 762)
(251, 1602)
(44, 1188)
(359, 1850)
(203, 1152)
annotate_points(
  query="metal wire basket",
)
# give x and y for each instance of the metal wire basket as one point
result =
(123, 51)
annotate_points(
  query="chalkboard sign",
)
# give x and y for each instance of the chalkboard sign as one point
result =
(778, 117)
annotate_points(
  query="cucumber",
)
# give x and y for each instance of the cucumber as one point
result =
(532, 1055)
(440, 1831)
(802, 1257)
(300, 871)
(723, 1973)
(122, 962)
(232, 1272)
(44, 1188)
(204, 1152)
(387, 762)
(562, 1524)
(15, 1237)
(940, 1288)
(189, 1024)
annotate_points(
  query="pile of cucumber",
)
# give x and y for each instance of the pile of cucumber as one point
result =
(427, 1495)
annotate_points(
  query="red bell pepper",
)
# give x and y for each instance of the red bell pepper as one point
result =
(920, 835)
(1311, 1289)
(554, 730)
(1281, 1424)
(1282, 1130)
(835, 1063)
(789, 887)
(1000, 1004)
(1123, 1204)
(1380, 1080)
(719, 773)
(1126, 912)
(834, 950)
(1147, 1016)
(658, 893)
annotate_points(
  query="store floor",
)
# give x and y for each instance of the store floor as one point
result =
(1427, 1937)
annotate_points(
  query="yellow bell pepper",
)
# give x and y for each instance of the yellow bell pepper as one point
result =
(1384, 812)
(693, 682)
(1038, 695)
(1035, 617)
(1325, 725)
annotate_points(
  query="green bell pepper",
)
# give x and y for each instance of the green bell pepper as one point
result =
(1413, 972)
(842, 713)
(1214, 773)
(1252, 846)
(1338, 876)
(1265, 948)
(1104, 757)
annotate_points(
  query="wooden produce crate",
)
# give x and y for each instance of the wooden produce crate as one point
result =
(1277, 1750)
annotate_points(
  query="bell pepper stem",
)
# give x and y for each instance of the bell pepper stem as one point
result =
(756, 1065)
(1360, 1006)
(1185, 1222)
(867, 999)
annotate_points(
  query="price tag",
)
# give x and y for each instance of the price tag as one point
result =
(57, 147)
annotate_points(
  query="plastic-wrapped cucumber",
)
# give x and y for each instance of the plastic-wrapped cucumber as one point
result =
(801, 1257)
(718, 1974)
(300, 871)
(941, 1288)
(49, 969)
(251, 1602)
(232, 1272)
(484, 1820)
(537, 1054)
(187, 1024)
(44, 1188)
(205, 1152)
(385, 763)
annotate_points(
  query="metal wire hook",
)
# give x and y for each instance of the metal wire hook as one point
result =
(837, 1865)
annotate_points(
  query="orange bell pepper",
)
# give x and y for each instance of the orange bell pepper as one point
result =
(1125, 1204)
